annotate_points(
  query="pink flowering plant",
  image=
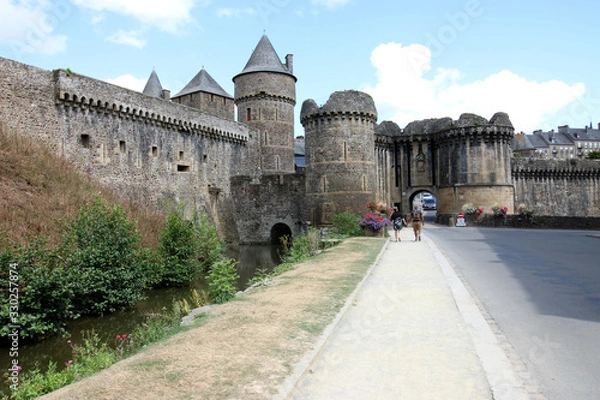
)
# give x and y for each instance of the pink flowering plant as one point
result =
(377, 216)
(526, 212)
(379, 209)
(500, 211)
(374, 221)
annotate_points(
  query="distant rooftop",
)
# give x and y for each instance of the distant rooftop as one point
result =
(203, 82)
(153, 87)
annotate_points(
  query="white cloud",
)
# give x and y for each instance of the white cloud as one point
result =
(128, 81)
(331, 4)
(235, 12)
(28, 26)
(129, 38)
(403, 93)
(169, 16)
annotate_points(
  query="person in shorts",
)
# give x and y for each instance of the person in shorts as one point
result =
(397, 222)
(418, 220)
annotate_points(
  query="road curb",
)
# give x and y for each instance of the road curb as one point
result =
(503, 380)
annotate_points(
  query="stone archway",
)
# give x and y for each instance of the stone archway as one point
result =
(278, 231)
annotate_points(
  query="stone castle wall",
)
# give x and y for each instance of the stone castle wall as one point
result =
(558, 188)
(147, 149)
(266, 205)
(222, 107)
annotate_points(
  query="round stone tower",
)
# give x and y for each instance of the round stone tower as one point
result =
(473, 163)
(265, 96)
(340, 155)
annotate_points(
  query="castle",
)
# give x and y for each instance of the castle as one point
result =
(190, 148)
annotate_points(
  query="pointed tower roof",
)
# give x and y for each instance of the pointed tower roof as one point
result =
(203, 82)
(153, 87)
(265, 59)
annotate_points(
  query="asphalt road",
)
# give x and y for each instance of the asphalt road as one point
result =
(542, 288)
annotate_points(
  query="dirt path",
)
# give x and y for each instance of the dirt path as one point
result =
(247, 347)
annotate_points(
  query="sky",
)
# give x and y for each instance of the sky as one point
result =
(535, 60)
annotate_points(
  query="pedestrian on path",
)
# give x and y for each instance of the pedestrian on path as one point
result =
(398, 222)
(418, 220)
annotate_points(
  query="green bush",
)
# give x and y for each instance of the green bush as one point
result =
(593, 155)
(178, 250)
(222, 280)
(103, 258)
(346, 224)
(210, 247)
(39, 289)
(187, 248)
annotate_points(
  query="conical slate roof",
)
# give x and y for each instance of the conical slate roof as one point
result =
(203, 82)
(153, 87)
(264, 59)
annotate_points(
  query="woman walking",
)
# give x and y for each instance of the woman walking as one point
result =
(397, 221)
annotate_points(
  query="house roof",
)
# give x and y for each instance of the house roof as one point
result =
(203, 82)
(265, 59)
(555, 138)
(153, 87)
(522, 142)
(537, 141)
(584, 134)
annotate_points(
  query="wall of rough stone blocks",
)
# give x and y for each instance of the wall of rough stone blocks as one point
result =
(260, 203)
(558, 188)
(147, 149)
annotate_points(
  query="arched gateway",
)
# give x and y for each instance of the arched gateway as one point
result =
(462, 161)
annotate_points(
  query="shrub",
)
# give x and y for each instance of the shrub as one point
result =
(178, 251)
(347, 224)
(593, 155)
(103, 259)
(187, 248)
(44, 291)
(210, 247)
(222, 280)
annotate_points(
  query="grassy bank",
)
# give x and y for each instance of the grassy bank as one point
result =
(39, 190)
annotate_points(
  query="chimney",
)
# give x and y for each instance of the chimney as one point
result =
(289, 63)
(166, 94)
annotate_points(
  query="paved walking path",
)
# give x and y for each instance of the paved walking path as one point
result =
(409, 331)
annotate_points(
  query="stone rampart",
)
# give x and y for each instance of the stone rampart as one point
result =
(558, 188)
(263, 203)
(145, 148)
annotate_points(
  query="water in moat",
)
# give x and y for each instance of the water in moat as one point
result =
(250, 259)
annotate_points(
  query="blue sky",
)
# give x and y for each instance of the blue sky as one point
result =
(535, 60)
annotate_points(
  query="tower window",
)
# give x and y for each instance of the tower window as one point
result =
(85, 141)
(248, 114)
(122, 146)
(155, 151)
